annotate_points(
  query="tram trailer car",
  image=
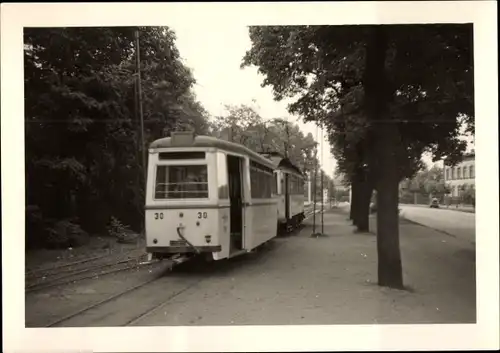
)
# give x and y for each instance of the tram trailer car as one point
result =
(207, 196)
(289, 190)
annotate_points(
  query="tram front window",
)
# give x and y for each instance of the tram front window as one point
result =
(181, 182)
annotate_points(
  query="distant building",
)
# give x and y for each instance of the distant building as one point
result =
(462, 174)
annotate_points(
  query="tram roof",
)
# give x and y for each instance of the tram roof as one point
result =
(207, 142)
(280, 161)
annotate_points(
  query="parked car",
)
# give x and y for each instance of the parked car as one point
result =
(434, 203)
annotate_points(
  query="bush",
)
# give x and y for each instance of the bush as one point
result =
(120, 231)
(36, 228)
(65, 234)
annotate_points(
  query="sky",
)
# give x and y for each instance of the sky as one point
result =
(214, 55)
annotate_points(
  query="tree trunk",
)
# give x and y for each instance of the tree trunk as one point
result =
(390, 271)
(377, 94)
(365, 195)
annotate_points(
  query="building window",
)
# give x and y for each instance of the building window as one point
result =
(459, 173)
(471, 171)
(465, 172)
(455, 172)
(448, 173)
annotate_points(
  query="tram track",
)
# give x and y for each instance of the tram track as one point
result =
(191, 284)
(90, 273)
(80, 265)
(80, 270)
(69, 266)
(109, 311)
(74, 272)
(162, 304)
(32, 273)
(133, 305)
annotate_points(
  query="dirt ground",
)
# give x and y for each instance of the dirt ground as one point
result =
(294, 280)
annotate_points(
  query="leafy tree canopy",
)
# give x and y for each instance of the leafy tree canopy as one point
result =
(82, 131)
(243, 124)
(429, 84)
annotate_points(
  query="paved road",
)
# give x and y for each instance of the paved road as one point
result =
(459, 224)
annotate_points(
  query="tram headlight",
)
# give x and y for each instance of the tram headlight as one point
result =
(208, 238)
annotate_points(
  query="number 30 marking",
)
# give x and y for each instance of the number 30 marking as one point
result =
(202, 215)
(159, 215)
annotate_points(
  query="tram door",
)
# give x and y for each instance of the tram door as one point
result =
(235, 177)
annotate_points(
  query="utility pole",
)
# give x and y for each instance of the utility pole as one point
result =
(331, 192)
(322, 188)
(139, 97)
(287, 138)
(314, 187)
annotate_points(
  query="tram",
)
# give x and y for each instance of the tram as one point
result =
(289, 190)
(209, 197)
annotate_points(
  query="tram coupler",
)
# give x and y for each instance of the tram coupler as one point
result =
(177, 260)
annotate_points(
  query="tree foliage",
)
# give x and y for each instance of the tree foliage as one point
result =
(428, 182)
(430, 84)
(468, 194)
(242, 124)
(386, 94)
(82, 131)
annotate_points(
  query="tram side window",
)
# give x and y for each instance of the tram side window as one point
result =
(254, 182)
(263, 185)
(296, 185)
(260, 183)
(181, 182)
(268, 182)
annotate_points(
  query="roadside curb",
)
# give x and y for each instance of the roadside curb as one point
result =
(442, 207)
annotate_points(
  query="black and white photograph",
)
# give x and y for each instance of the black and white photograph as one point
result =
(195, 176)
